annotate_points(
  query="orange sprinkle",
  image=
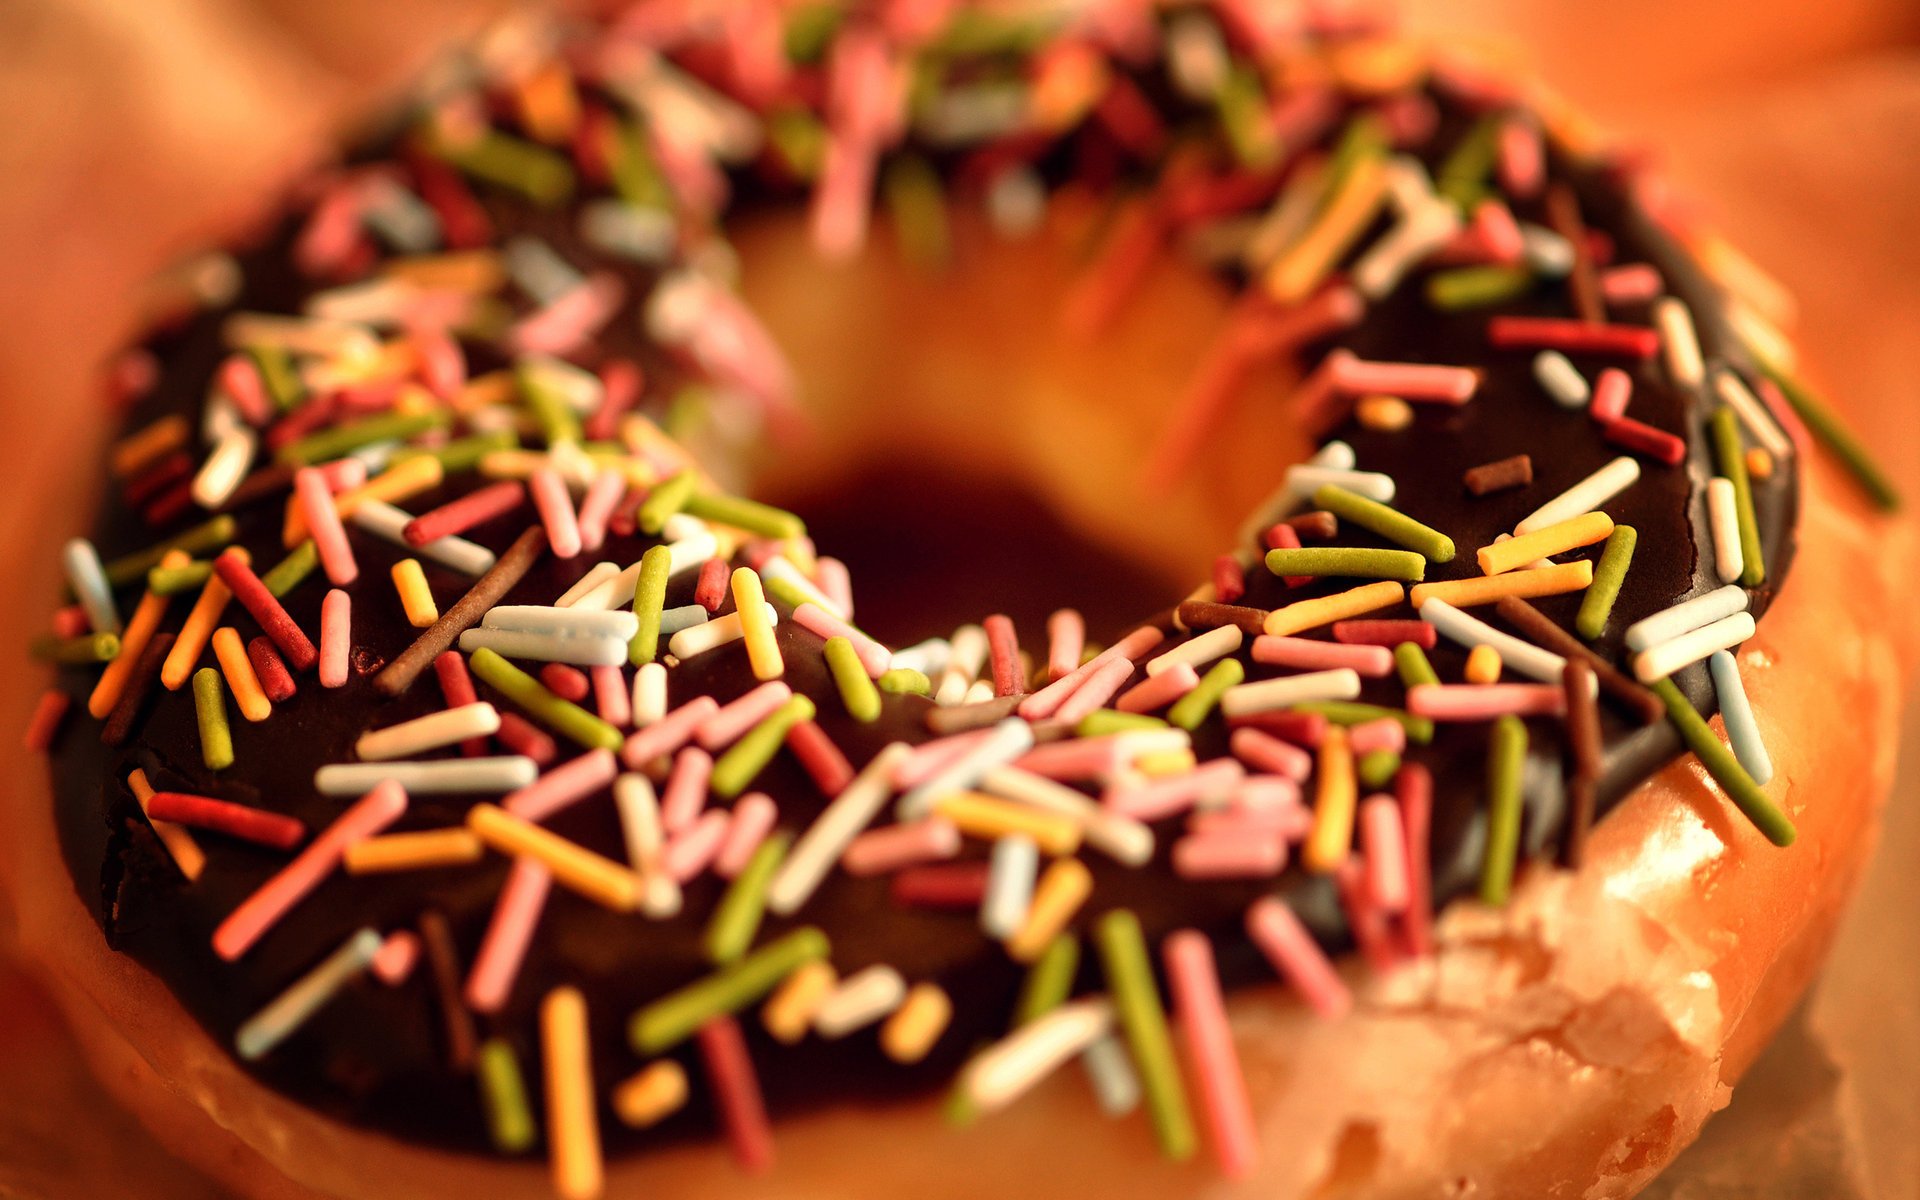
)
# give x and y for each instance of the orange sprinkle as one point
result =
(140, 629)
(192, 641)
(231, 653)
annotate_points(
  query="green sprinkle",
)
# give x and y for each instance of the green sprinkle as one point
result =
(687, 409)
(87, 648)
(649, 598)
(786, 591)
(1725, 427)
(737, 917)
(216, 740)
(1103, 721)
(976, 33)
(289, 571)
(856, 689)
(1350, 712)
(1194, 707)
(810, 30)
(1049, 980)
(800, 140)
(1376, 768)
(213, 534)
(551, 410)
(1506, 757)
(919, 209)
(342, 440)
(1364, 137)
(750, 755)
(636, 174)
(1477, 287)
(541, 175)
(171, 581)
(1352, 561)
(1411, 662)
(277, 376)
(463, 454)
(905, 681)
(562, 716)
(1823, 423)
(1462, 177)
(665, 499)
(1608, 574)
(1723, 766)
(503, 1093)
(1136, 1001)
(749, 515)
(1243, 106)
(1389, 523)
(671, 1019)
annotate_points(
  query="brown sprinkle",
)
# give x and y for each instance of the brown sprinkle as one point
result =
(443, 963)
(1563, 216)
(1498, 476)
(466, 612)
(1646, 707)
(1583, 743)
(1210, 614)
(146, 673)
(1316, 525)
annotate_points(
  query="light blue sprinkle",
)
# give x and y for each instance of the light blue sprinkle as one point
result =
(1743, 732)
(89, 580)
(292, 1008)
(1016, 860)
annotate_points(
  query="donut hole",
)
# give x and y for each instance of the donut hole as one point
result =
(971, 455)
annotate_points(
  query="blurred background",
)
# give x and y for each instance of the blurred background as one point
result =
(137, 128)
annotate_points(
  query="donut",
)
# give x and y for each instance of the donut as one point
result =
(465, 777)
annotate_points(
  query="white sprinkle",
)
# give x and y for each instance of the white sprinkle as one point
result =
(1006, 1070)
(479, 775)
(1753, 414)
(649, 694)
(861, 999)
(1010, 877)
(1305, 480)
(1686, 616)
(1001, 745)
(1737, 712)
(1546, 252)
(928, 657)
(430, 732)
(225, 467)
(1523, 657)
(698, 639)
(1116, 1085)
(1671, 655)
(600, 573)
(781, 567)
(837, 825)
(1675, 322)
(1342, 683)
(1425, 228)
(385, 521)
(1561, 380)
(562, 622)
(1121, 838)
(967, 653)
(292, 1008)
(673, 620)
(1723, 517)
(1198, 651)
(1589, 495)
(547, 647)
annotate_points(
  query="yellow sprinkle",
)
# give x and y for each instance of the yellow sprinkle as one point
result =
(140, 629)
(412, 399)
(404, 479)
(145, 447)
(1483, 665)
(1760, 463)
(186, 852)
(1572, 533)
(245, 685)
(1379, 66)
(192, 640)
(1062, 889)
(486, 391)
(1311, 614)
(460, 271)
(1387, 414)
(574, 866)
(511, 464)
(917, 1024)
(749, 600)
(788, 1013)
(656, 1092)
(1540, 581)
(1296, 273)
(416, 598)
(989, 817)
(1331, 838)
(573, 1128)
(414, 851)
(1165, 762)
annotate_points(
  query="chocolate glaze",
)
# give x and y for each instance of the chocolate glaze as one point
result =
(376, 1056)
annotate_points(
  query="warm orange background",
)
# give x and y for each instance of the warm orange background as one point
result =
(135, 128)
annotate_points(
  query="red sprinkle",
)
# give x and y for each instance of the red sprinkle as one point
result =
(940, 885)
(1003, 649)
(450, 668)
(157, 478)
(820, 757)
(1642, 438)
(519, 736)
(169, 504)
(47, 716)
(1414, 786)
(1229, 582)
(458, 516)
(1284, 537)
(1385, 633)
(568, 683)
(240, 380)
(235, 820)
(710, 592)
(1302, 729)
(70, 622)
(274, 679)
(257, 600)
(1572, 337)
(736, 1093)
(621, 382)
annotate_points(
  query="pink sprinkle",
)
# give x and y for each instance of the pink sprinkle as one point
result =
(1047, 701)
(620, 384)
(686, 791)
(605, 492)
(689, 853)
(70, 622)
(566, 784)
(843, 196)
(1160, 690)
(523, 737)
(336, 618)
(439, 361)
(890, 847)
(259, 912)
(1075, 758)
(930, 758)
(1497, 233)
(1371, 928)
(556, 511)
(816, 620)
(1572, 336)
(1297, 957)
(1383, 844)
(1611, 392)
(1414, 786)
(1241, 851)
(332, 231)
(1229, 581)
(1266, 793)
(1194, 982)
(1066, 641)
(1095, 691)
(710, 591)
(1160, 798)
(833, 578)
(395, 960)
(565, 325)
(240, 380)
(1485, 701)
(1257, 823)
(1409, 381)
(323, 522)
(1381, 733)
(567, 682)
(1633, 283)
(1003, 649)
(667, 734)
(611, 695)
(1388, 633)
(732, 720)
(1264, 752)
(504, 947)
(753, 818)
(736, 1093)
(343, 474)
(47, 716)
(1523, 167)
(1373, 662)
(819, 757)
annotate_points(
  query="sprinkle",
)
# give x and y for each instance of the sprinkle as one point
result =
(747, 831)
(1303, 479)
(1309, 614)
(416, 598)
(1332, 836)
(1339, 683)
(736, 1092)
(1015, 865)
(666, 498)
(1642, 438)
(1348, 211)
(522, 900)
(1410, 663)
(329, 536)
(195, 633)
(503, 1094)
(652, 1095)
(216, 741)
(669, 1020)
(436, 941)
(1012, 1066)
(668, 734)
(1229, 854)
(293, 1007)
(564, 718)
(1589, 495)
(1484, 702)
(579, 650)
(1486, 589)
(1264, 752)
(146, 673)
(1403, 565)
(1310, 654)
(1571, 337)
(747, 515)
(828, 837)
(649, 595)
(338, 441)
(1733, 391)
(1733, 467)
(439, 777)
(423, 850)
(46, 720)
(458, 516)
(1483, 665)
(756, 629)
(87, 649)
(211, 535)
(335, 638)
(873, 656)
(610, 695)
(1136, 1001)
(989, 818)
(1560, 379)
(139, 631)
(1633, 283)
(737, 917)
(1687, 616)
(1529, 621)
(379, 808)
(649, 694)
(691, 851)
(290, 571)
(1221, 680)
(388, 523)
(711, 589)
(1759, 463)
(185, 852)
(1584, 751)
(1675, 323)
(1583, 530)
(1662, 660)
(788, 1013)
(1482, 286)
(1723, 518)
(1499, 475)
(272, 674)
(597, 878)
(573, 1128)
(858, 1001)
(750, 755)
(1523, 657)
(1008, 740)
(1066, 638)
(566, 784)
(165, 580)
(1736, 712)
(1405, 381)
(917, 1024)
(1724, 767)
(555, 507)
(1611, 393)
(1157, 692)
(1597, 605)
(233, 570)
(1201, 1013)
(565, 682)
